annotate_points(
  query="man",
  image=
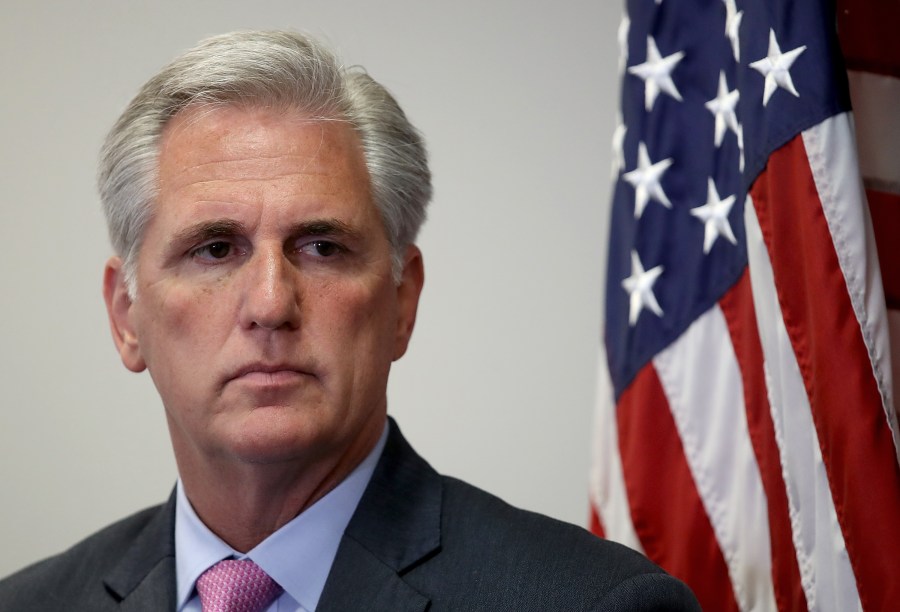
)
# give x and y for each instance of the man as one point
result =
(263, 204)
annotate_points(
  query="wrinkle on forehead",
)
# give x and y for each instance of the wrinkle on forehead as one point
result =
(215, 140)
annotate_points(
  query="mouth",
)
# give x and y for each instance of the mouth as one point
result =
(268, 375)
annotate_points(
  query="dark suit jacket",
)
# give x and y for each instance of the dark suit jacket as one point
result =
(418, 541)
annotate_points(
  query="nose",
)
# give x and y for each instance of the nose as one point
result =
(271, 293)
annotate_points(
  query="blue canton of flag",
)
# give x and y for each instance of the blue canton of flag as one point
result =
(709, 92)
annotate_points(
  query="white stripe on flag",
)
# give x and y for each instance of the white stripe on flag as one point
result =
(825, 571)
(702, 382)
(607, 484)
(833, 161)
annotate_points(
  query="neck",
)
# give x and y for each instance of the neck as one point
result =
(243, 503)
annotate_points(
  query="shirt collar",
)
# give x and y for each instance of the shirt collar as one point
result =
(298, 556)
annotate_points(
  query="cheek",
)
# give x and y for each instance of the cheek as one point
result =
(177, 324)
(360, 321)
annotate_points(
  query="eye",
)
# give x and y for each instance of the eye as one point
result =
(213, 250)
(321, 248)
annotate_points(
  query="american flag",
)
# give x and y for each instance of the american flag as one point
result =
(747, 440)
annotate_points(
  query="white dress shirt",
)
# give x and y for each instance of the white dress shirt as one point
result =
(298, 556)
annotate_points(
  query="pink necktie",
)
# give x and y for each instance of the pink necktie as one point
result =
(236, 586)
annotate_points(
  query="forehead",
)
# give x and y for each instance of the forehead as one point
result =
(257, 142)
(251, 164)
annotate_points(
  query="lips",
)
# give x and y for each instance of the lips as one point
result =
(265, 374)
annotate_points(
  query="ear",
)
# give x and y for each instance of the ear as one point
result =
(118, 307)
(408, 292)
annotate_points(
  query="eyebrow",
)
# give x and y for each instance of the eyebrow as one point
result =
(208, 230)
(323, 227)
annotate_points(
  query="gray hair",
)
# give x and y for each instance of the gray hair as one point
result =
(285, 70)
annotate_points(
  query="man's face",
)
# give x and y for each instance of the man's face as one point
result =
(265, 308)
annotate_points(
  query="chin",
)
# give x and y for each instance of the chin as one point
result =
(269, 442)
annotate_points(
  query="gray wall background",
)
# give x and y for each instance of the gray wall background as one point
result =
(517, 101)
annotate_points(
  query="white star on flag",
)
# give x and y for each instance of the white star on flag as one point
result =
(640, 289)
(732, 26)
(657, 73)
(624, 27)
(722, 106)
(714, 215)
(618, 141)
(776, 68)
(645, 180)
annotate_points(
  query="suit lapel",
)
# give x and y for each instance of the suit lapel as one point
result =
(359, 580)
(144, 579)
(395, 526)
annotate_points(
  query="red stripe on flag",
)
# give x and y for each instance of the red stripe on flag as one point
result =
(885, 209)
(867, 32)
(857, 448)
(666, 509)
(596, 526)
(737, 306)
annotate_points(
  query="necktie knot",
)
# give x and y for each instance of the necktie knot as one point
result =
(236, 586)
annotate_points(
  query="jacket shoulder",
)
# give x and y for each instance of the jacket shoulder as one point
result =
(75, 574)
(506, 554)
(473, 517)
(421, 540)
